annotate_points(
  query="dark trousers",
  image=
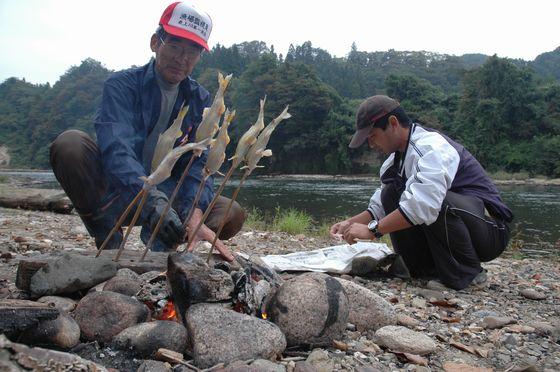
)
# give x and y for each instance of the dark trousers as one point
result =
(76, 163)
(454, 245)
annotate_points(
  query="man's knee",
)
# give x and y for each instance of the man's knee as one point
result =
(70, 145)
(236, 219)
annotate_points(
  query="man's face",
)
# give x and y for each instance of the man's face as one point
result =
(381, 140)
(175, 57)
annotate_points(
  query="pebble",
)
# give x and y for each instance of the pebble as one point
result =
(532, 294)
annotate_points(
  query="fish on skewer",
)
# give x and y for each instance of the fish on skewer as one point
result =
(217, 152)
(249, 137)
(254, 155)
(162, 172)
(167, 139)
(243, 146)
(211, 115)
(258, 149)
(216, 156)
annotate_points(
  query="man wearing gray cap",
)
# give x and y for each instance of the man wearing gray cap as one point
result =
(443, 213)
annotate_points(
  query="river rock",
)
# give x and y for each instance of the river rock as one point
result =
(61, 303)
(320, 361)
(531, 294)
(123, 284)
(493, 322)
(193, 281)
(304, 366)
(71, 273)
(219, 335)
(102, 315)
(402, 339)
(310, 309)
(146, 338)
(407, 321)
(266, 365)
(154, 366)
(62, 332)
(367, 310)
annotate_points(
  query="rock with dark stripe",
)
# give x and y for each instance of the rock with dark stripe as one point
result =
(310, 309)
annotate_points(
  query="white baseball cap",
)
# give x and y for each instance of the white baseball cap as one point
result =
(185, 21)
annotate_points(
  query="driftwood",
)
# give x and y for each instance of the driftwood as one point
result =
(18, 357)
(18, 315)
(35, 199)
(157, 261)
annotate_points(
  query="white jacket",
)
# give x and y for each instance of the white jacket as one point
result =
(430, 165)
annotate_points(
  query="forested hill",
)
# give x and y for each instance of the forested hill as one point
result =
(506, 112)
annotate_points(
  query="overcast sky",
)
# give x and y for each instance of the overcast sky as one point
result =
(41, 39)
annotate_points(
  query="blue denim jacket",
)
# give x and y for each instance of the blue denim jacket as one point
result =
(129, 110)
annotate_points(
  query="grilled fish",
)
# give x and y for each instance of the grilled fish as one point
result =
(249, 137)
(166, 140)
(258, 150)
(163, 170)
(217, 152)
(211, 115)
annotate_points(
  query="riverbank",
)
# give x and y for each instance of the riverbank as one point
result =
(499, 178)
(453, 319)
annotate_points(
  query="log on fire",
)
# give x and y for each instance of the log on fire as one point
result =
(27, 267)
(18, 315)
(35, 199)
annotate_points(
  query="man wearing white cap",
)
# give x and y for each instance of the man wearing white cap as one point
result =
(138, 105)
(443, 213)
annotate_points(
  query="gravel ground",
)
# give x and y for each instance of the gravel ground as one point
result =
(527, 291)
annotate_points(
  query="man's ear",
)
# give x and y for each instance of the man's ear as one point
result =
(154, 43)
(393, 121)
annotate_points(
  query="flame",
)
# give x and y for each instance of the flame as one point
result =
(168, 312)
(264, 316)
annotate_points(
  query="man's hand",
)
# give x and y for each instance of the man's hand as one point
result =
(356, 231)
(204, 233)
(171, 229)
(337, 230)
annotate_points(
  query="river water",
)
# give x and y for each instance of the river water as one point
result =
(536, 208)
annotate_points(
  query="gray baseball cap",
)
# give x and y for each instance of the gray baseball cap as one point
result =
(371, 110)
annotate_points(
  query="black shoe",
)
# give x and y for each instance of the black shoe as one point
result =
(398, 268)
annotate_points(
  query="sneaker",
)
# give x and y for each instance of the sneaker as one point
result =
(398, 268)
(481, 278)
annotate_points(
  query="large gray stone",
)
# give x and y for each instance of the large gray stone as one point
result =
(146, 338)
(63, 332)
(102, 315)
(368, 311)
(71, 273)
(219, 335)
(398, 338)
(310, 309)
(192, 281)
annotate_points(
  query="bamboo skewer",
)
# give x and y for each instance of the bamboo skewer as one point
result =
(144, 193)
(222, 224)
(119, 223)
(168, 207)
(212, 203)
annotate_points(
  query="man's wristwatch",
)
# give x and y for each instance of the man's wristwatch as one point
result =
(372, 226)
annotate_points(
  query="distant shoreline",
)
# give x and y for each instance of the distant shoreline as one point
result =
(361, 177)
